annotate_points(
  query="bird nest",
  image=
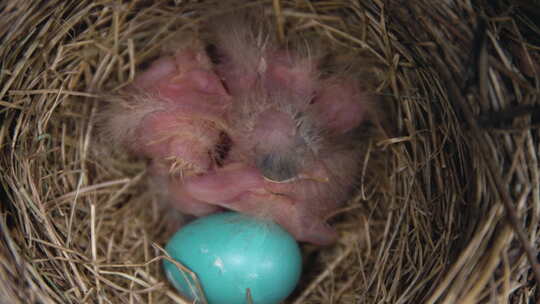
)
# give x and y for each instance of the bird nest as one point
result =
(448, 205)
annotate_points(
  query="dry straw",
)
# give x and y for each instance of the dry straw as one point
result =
(450, 215)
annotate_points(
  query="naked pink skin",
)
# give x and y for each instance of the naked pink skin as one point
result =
(195, 105)
(241, 188)
(190, 104)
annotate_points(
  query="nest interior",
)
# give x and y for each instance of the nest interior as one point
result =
(448, 214)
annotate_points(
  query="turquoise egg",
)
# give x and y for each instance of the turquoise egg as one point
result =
(231, 253)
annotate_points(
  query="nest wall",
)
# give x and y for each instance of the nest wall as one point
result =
(448, 207)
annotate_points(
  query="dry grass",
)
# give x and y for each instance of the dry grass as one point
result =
(451, 215)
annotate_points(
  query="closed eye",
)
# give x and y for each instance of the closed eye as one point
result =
(213, 53)
(276, 168)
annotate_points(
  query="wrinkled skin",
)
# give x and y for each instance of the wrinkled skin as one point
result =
(261, 137)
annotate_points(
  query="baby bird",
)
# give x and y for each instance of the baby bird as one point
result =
(231, 118)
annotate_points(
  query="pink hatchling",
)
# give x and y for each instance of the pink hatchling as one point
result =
(233, 119)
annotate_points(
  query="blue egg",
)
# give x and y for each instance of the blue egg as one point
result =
(231, 253)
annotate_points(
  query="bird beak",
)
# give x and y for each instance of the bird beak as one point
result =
(315, 177)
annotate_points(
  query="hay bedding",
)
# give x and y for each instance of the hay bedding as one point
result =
(459, 85)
